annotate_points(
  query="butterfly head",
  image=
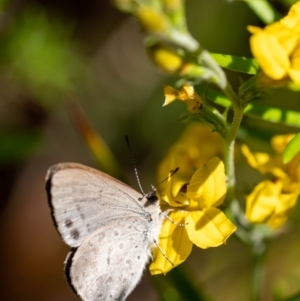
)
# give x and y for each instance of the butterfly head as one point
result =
(151, 196)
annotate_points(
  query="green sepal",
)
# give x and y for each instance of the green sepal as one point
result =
(292, 149)
(210, 116)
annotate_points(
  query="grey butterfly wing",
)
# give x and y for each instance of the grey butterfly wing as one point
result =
(109, 262)
(83, 199)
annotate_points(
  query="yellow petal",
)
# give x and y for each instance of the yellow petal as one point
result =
(262, 201)
(254, 29)
(293, 16)
(264, 163)
(271, 56)
(172, 193)
(170, 189)
(279, 142)
(178, 198)
(284, 206)
(174, 242)
(294, 72)
(254, 161)
(189, 90)
(209, 227)
(171, 94)
(288, 39)
(207, 187)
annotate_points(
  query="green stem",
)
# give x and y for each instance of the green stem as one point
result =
(257, 277)
(229, 152)
(236, 122)
(229, 92)
(229, 169)
(229, 142)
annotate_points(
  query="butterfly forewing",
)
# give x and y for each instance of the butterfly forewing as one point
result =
(83, 199)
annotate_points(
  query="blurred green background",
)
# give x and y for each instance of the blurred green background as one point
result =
(52, 51)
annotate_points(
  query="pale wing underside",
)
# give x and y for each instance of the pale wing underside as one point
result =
(83, 199)
(109, 263)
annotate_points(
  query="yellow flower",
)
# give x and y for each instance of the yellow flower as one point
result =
(166, 59)
(271, 201)
(186, 94)
(192, 194)
(277, 46)
(173, 62)
(153, 20)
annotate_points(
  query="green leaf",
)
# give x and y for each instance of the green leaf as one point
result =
(292, 149)
(236, 63)
(274, 114)
(264, 10)
(213, 95)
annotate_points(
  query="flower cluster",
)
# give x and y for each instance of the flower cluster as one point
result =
(277, 47)
(272, 200)
(186, 94)
(192, 196)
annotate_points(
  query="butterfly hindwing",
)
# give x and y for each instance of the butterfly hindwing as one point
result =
(109, 262)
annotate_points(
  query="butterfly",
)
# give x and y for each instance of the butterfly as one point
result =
(110, 227)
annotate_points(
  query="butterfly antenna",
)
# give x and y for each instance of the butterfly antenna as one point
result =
(172, 173)
(134, 165)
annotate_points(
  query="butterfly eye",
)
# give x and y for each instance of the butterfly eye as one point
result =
(152, 197)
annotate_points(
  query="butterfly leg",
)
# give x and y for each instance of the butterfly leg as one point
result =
(165, 214)
(162, 252)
